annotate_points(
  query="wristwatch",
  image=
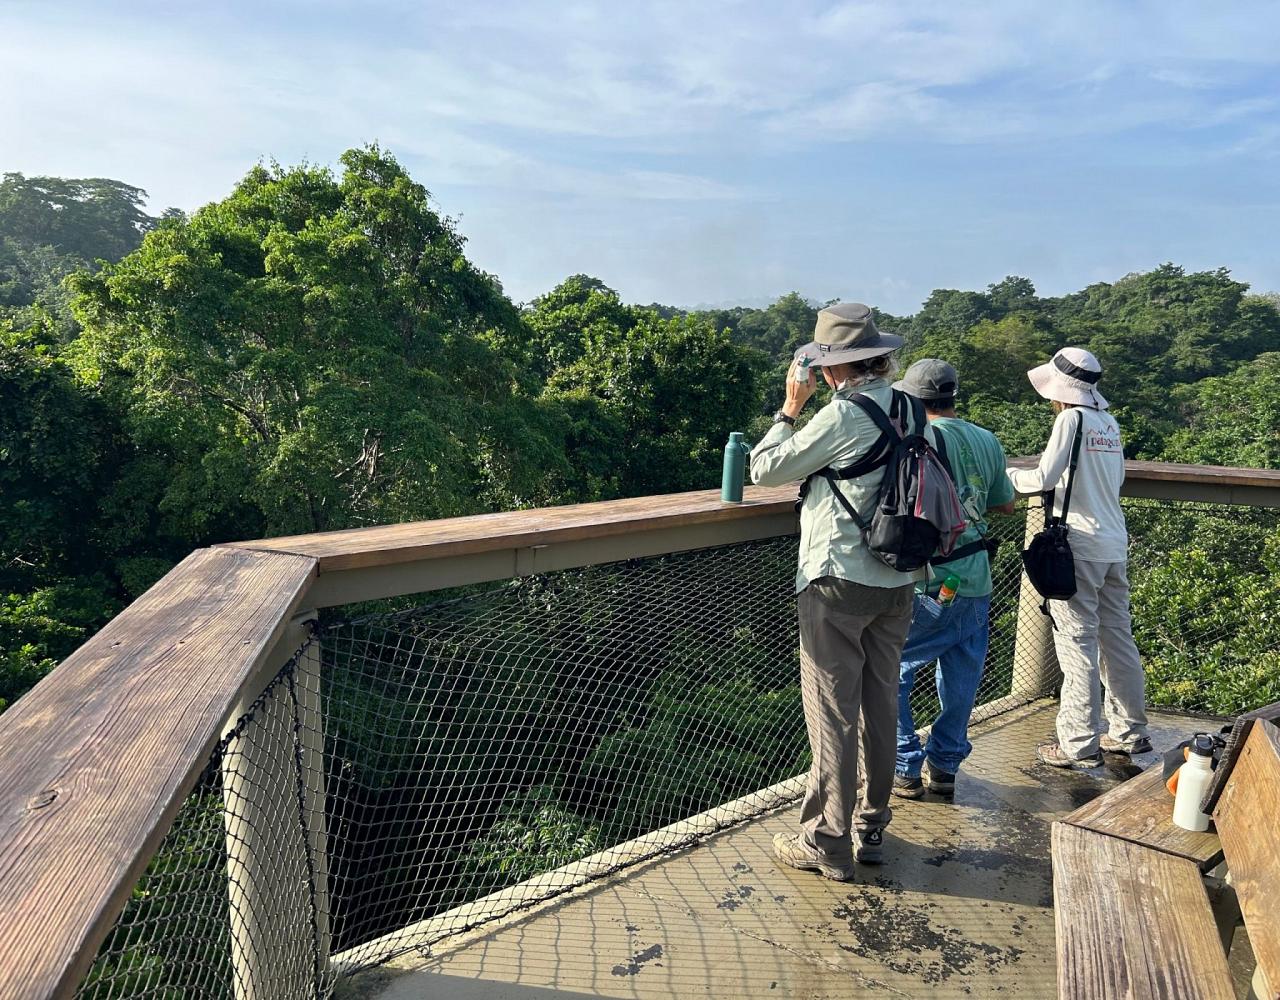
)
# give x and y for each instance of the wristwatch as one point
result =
(782, 418)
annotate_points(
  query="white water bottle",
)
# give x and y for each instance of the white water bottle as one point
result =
(1193, 781)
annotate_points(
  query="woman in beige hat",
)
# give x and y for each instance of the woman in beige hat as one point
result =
(1092, 635)
(854, 611)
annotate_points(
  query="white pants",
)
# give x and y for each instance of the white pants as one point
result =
(1094, 641)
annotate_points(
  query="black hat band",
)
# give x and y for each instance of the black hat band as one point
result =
(1082, 374)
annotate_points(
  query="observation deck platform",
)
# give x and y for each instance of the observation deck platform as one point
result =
(962, 906)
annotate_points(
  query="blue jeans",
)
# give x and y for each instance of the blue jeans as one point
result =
(955, 636)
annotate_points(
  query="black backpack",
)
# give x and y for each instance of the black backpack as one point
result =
(917, 512)
(1050, 566)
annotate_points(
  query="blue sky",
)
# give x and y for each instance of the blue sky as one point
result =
(710, 152)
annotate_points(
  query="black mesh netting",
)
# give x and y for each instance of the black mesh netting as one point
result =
(415, 772)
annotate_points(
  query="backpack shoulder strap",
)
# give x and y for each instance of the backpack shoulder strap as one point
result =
(877, 455)
(833, 479)
(939, 443)
(878, 417)
(882, 448)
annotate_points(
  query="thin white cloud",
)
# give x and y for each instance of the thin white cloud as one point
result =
(645, 123)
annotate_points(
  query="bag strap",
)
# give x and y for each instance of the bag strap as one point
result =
(966, 550)
(1075, 461)
(833, 480)
(888, 428)
(918, 416)
(940, 448)
(1049, 519)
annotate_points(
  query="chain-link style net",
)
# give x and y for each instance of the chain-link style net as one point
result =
(1206, 603)
(234, 901)
(417, 772)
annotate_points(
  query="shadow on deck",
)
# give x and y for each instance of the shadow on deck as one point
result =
(963, 905)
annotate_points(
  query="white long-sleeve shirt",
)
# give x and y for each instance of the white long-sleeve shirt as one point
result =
(1096, 522)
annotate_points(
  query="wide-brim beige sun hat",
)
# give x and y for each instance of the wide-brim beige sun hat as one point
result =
(846, 333)
(1071, 376)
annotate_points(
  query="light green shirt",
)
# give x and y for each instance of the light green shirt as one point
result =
(830, 542)
(977, 463)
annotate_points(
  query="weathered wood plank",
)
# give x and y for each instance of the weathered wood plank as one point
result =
(1248, 818)
(1236, 740)
(1132, 922)
(1209, 475)
(1220, 475)
(98, 757)
(397, 543)
(386, 545)
(1141, 810)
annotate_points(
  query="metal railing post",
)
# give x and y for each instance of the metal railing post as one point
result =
(277, 846)
(1035, 665)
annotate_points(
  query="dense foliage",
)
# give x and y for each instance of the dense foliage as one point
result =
(315, 351)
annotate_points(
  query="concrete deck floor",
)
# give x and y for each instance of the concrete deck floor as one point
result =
(962, 907)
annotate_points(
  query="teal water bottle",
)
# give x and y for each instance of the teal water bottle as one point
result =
(735, 468)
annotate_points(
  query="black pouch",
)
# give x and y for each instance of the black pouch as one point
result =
(1050, 566)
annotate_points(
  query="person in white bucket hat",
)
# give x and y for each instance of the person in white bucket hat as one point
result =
(1093, 633)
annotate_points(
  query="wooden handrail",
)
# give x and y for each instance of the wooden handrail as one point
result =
(387, 545)
(96, 759)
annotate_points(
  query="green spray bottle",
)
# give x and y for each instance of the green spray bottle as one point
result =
(735, 468)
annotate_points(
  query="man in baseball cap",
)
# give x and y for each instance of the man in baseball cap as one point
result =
(952, 635)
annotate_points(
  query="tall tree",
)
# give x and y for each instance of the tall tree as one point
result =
(668, 393)
(90, 218)
(579, 311)
(314, 352)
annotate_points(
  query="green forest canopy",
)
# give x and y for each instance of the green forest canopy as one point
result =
(315, 351)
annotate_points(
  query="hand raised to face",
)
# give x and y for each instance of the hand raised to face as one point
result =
(798, 393)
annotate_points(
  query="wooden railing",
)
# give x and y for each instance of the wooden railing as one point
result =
(96, 760)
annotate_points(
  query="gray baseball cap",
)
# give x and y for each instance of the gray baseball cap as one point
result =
(929, 378)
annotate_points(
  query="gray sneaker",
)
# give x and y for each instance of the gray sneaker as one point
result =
(795, 853)
(907, 787)
(1122, 749)
(1051, 754)
(870, 846)
(941, 782)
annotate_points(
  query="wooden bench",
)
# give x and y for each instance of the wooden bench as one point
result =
(1140, 810)
(1132, 922)
(1132, 912)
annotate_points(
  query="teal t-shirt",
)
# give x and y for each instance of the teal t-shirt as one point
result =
(977, 462)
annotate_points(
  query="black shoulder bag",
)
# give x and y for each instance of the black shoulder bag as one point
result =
(1050, 566)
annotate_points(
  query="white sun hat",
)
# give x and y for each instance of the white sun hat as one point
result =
(1071, 377)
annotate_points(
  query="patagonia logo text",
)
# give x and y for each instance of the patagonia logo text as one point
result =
(1102, 441)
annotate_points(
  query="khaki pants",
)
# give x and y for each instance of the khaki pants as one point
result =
(851, 637)
(1094, 642)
